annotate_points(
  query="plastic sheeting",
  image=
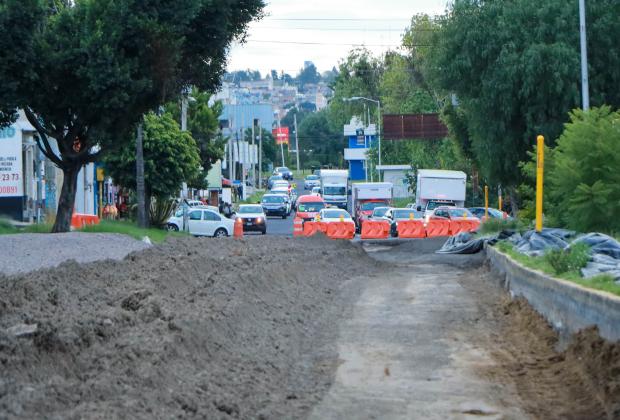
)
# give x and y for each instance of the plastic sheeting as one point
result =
(535, 243)
(605, 257)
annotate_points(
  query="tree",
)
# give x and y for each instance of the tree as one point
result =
(514, 67)
(359, 75)
(308, 75)
(401, 93)
(315, 134)
(274, 75)
(86, 71)
(171, 157)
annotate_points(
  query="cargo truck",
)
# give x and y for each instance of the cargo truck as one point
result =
(335, 186)
(366, 196)
(439, 188)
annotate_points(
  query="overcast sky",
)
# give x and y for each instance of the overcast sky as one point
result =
(323, 31)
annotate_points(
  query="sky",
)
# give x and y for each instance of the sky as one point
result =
(324, 31)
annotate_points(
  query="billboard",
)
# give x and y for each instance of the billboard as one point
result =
(11, 184)
(281, 135)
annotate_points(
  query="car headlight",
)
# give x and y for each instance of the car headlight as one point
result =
(259, 220)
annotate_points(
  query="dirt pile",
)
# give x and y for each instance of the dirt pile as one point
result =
(193, 328)
(582, 381)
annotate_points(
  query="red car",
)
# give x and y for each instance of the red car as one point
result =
(308, 206)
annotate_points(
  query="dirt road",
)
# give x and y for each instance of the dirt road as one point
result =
(284, 328)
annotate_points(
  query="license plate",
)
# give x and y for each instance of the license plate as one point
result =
(248, 223)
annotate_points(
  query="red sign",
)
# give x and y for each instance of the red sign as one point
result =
(281, 135)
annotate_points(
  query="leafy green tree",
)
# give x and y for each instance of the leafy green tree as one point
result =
(315, 135)
(85, 71)
(585, 180)
(514, 67)
(359, 75)
(308, 75)
(400, 92)
(170, 158)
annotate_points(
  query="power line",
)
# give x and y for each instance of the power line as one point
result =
(344, 19)
(323, 43)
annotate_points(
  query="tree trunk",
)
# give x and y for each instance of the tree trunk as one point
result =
(142, 214)
(514, 203)
(147, 206)
(66, 200)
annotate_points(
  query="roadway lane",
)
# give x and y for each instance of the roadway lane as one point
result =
(284, 227)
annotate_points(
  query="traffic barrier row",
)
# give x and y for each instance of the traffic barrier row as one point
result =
(333, 230)
(464, 225)
(79, 220)
(411, 229)
(375, 229)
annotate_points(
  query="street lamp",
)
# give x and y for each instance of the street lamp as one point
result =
(361, 98)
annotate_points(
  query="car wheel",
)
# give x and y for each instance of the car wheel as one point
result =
(172, 228)
(264, 232)
(220, 233)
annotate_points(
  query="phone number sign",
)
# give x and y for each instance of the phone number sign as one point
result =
(11, 183)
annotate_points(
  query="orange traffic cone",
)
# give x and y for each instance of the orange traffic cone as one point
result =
(238, 233)
(298, 227)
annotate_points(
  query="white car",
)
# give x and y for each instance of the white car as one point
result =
(203, 222)
(329, 215)
(312, 181)
(280, 184)
(253, 218)
(316, 191)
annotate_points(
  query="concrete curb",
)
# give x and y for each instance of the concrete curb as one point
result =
(567, 306)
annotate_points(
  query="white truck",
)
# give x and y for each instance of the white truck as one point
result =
(439, 188)
(366, 196)
(335, 186)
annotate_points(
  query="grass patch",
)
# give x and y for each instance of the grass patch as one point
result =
(401, 202)
(7, 228)
(601, 282)
(497, 225)
(129, 228)
(254, 198)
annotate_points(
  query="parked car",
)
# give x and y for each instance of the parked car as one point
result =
(396, 215)
(493, 213)
(451, 213)
(312, 181)
(203, 222)
(275, 205)
(272, 179)
(253, 218)
(333, 214)
(308, 206)
(284, 172)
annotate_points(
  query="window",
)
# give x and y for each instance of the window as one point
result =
(195, 215)
(212, 217)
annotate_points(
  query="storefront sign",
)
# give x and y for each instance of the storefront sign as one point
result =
(11, 183)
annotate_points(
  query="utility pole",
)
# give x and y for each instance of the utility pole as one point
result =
(252, 157)
(585, 91)
(296, 140)
(281, 142)
(184, 128)
(260, 155)
(140, 191)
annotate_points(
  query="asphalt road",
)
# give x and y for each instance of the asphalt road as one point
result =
(284, 227)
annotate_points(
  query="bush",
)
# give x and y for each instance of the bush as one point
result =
(574, 258)
(497, 225)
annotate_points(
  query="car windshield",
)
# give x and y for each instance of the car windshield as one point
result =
(460, 213)
(404, 214)
(312, 177)
(371, 206)
(250, 209)
(380, 212)
(335, 214)
(276, 178)
(432, 205)
(273, 199)
(334, 191)
(282, 169)
(311, 206)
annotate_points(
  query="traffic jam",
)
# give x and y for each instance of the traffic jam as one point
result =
(330, 204)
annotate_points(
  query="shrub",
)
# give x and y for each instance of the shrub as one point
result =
(574, 258)
(497, 225)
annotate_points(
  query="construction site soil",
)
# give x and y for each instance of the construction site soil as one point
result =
(203, 328)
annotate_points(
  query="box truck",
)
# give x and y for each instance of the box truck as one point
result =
(366, 196)
(439, 188)
(335, 187)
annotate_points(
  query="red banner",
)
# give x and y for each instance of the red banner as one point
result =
(281, 135)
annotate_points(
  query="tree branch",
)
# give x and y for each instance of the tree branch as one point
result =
(47, 151)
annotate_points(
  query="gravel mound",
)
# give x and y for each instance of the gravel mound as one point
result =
(26, 252)
(193, 328)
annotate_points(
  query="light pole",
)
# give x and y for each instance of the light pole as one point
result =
(585, 91)
(361, 98)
